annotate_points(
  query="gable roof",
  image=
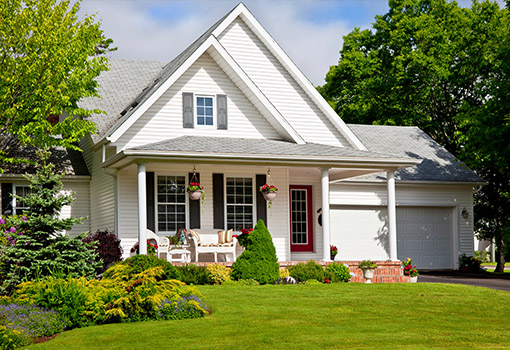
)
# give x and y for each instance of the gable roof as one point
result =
(404, 141)
(122, 121)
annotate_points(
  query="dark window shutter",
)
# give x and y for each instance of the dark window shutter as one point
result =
(218, 202)
(194, 207)
(221, 103)
(260, 180)
(187, 110)
(151, 210)
(7, 199)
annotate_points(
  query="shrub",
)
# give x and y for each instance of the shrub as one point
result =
(123, 298)
(284, 273)
(11, 339)
(310, 271)
(339, 272)
(138, 264)
(258, 261)
(247, 282)
(108, 247)
(193, 274)
(218, 273)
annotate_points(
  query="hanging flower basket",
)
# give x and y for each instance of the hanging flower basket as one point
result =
(269, 192)
(196, 192)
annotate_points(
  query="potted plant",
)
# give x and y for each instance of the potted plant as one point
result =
(410, 270)
(333, 251)
(195, 191)
(368, 267)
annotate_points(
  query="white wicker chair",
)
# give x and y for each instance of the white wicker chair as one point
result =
(163, 243)
(228, 248)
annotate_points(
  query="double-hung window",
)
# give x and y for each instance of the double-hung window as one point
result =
(205, 110)
(239, 202)
(171, 203)
(19, 205)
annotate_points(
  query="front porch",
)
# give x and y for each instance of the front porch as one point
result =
(153, 196)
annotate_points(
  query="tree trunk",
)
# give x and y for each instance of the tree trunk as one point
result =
(500, 253)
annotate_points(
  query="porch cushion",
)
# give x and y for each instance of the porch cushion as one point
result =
(221, 237)
(196, 236)
(228, 236)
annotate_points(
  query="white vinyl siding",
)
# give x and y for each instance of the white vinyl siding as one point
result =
(278, 85)
(102, 194)
(163, 120)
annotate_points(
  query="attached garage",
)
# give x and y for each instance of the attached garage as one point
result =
(423, 233)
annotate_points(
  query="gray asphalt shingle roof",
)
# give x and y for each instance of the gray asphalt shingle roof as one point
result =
(66, 161)
(438, 164)
(118, 89)
(235, 146)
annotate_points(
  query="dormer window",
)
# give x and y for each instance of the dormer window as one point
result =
(205, 110)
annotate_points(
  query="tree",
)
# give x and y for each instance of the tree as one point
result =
(48, 61)
(435, 65)
(36, 246)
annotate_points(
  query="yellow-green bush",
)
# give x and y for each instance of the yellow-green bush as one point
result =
(284, 272)
(219, 273)
(116, 299)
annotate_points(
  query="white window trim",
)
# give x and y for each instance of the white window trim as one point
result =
(186, 203)
(214, 115)
(14, 204)
(253, 204)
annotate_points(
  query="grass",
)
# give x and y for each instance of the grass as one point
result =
(340, 316)
(494, 264)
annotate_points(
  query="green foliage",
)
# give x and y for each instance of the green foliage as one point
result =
(36, 247)
(303, 272)
(258, 261)
(147, 295)
(219, 273)
(367, 264)
(11, 339)
(247, 282)
(445, 69)
(138, 264)
(339, 272)
(21, 324)
(48, 64)
(107, 247)
(471, 262)
(193, 274)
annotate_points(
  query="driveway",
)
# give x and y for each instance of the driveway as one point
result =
(473, 279)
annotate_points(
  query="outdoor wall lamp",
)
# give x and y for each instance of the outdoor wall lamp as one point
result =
(465, 213)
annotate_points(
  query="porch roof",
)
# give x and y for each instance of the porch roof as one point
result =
(216, 149)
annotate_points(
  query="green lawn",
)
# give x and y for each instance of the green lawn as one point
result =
(340, 316)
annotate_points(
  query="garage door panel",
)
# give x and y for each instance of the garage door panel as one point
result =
(423, 234)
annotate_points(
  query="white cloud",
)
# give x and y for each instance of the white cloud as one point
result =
(138, 34)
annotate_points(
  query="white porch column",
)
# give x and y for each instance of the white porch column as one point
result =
(325, 214)
(142, 210)
(392, 216)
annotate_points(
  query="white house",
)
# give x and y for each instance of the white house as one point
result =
(236, 108)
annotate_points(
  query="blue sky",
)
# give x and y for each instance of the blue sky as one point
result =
(310, 31)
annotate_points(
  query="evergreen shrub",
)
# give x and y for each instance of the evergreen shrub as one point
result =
(140, 263)
(193, 274)
(258, 261)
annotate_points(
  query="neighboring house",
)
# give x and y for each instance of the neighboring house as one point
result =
(234, 106)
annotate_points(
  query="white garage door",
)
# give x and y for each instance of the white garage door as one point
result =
(423, 233)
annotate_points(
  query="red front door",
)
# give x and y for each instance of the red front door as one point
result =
(301, 218)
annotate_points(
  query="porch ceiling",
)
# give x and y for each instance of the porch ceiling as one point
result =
(259, 151)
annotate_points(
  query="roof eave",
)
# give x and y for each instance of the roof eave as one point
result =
(293, 160)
